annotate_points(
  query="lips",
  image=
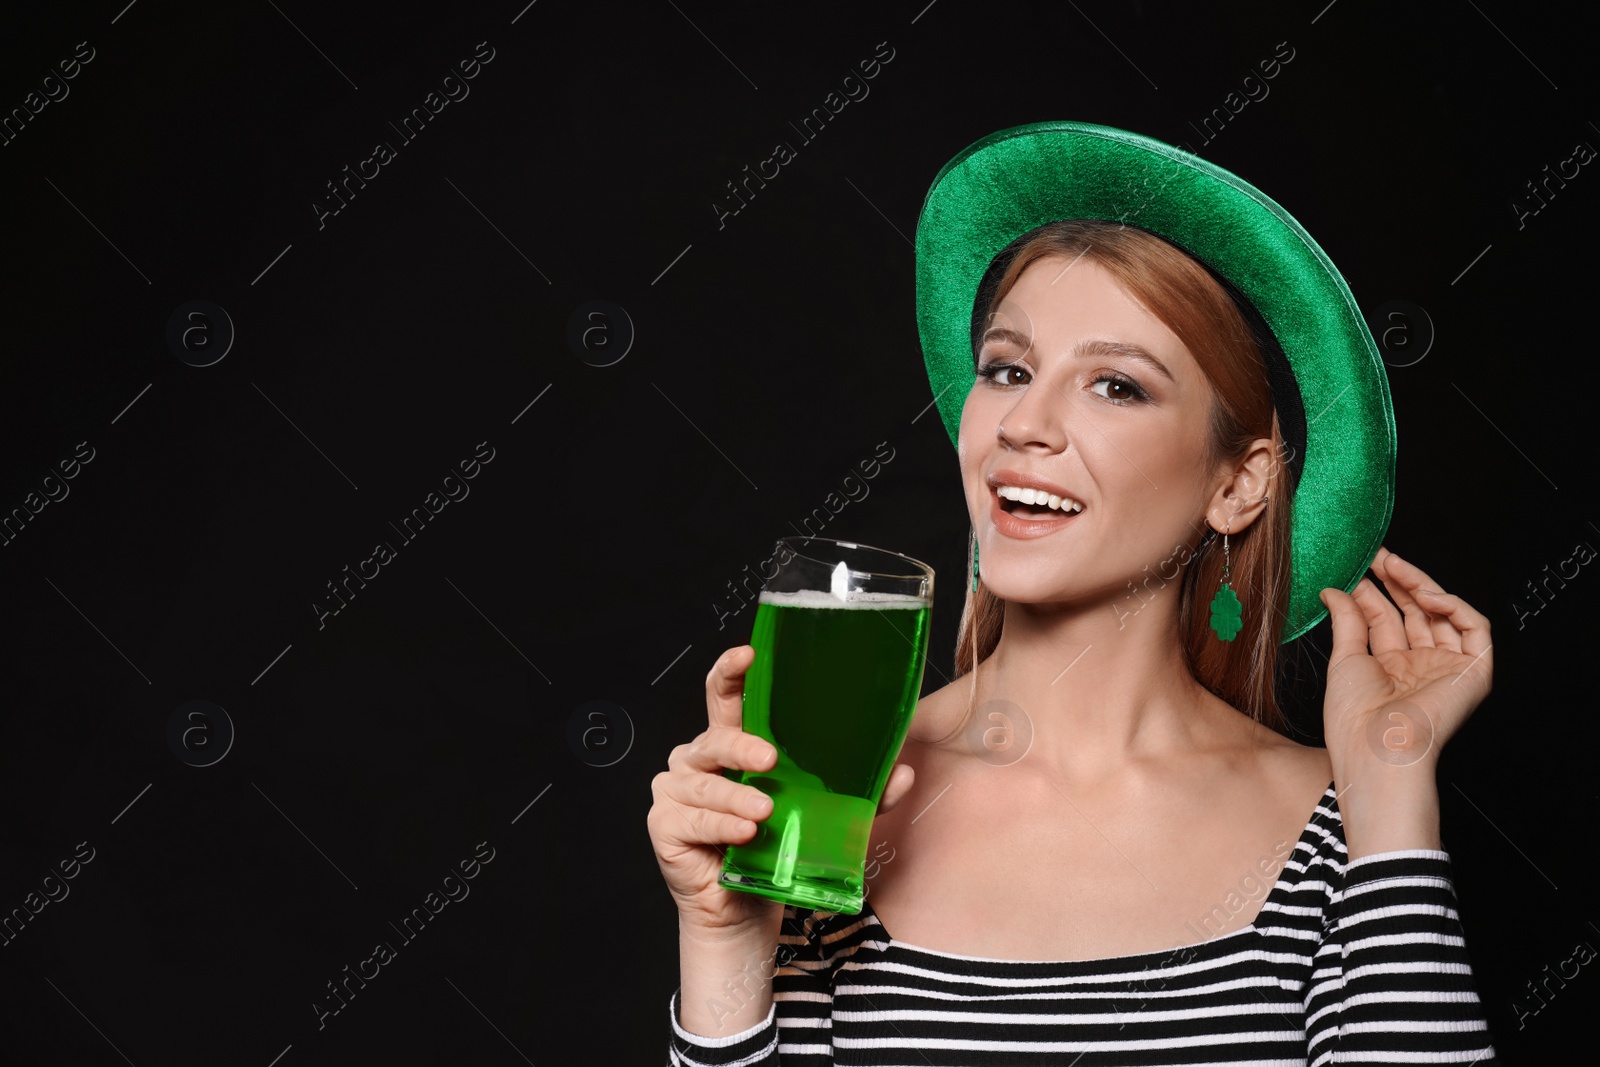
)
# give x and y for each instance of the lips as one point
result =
(1028, 481)
(1011, 525)
(1024, 529)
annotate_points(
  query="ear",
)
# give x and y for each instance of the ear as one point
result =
(1241, 497)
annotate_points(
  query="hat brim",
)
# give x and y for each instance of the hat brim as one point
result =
(1017, 179)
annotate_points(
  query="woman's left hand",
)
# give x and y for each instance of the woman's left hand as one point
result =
(1426, 672)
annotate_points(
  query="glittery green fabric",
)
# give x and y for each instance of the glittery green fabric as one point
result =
(1020, 178)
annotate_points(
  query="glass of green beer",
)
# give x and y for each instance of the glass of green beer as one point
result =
(841, 639)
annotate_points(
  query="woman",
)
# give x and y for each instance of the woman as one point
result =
(1167, 394)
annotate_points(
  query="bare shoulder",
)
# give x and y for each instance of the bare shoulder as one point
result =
(939, 715)
(1299, 759)
(1288, 768)
(935, 748)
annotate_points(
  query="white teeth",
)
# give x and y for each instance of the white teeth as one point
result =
(1035, 496)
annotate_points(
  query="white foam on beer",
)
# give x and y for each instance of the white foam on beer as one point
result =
(816, 598)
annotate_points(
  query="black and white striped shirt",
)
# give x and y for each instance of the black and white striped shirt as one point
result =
(1347, 962)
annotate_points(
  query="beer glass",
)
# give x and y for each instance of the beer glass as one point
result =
(841, 639)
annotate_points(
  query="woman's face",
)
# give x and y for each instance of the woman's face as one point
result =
(1080, 386)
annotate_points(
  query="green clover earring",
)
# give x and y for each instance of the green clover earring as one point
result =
(1227, 617)
(974, 564)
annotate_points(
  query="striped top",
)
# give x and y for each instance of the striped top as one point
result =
(1347, 962)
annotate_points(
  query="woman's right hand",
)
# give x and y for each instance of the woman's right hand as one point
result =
(698, 811)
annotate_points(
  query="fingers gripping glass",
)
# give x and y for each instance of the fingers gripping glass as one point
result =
(841, 639)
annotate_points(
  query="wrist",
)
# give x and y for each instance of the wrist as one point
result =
(714, 935)
(1388, 808)
(726, 978)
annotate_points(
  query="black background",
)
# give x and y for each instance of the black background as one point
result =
(772, 355)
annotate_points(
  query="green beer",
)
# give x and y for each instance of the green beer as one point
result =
(833, 686)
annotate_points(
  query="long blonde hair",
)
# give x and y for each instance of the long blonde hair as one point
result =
(1182, 294)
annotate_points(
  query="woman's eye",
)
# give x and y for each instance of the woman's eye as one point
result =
(1125, 390)
(999, 373)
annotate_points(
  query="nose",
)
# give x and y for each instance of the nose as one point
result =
(1038, 419)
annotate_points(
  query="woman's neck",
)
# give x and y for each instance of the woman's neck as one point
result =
(1100, 693)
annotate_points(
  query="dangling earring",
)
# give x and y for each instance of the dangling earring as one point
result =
(1226, 615)
(974, 562)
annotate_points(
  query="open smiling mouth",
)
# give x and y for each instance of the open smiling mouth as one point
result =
(1020, 518)
(1036, 512)
(1034, 505)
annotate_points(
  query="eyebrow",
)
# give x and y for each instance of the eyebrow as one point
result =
(1085, 349)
